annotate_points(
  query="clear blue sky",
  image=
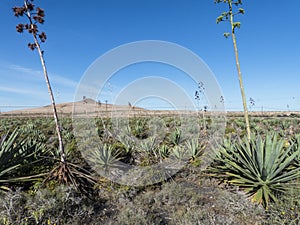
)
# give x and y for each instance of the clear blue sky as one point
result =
(81, 31)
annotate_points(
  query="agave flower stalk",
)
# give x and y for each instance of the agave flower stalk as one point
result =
(36, 16)
(229, 16)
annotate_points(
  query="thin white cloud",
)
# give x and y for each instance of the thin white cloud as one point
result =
(63, 81)
(25, 86)
(38, 74)
(25, 70)
(17, 90)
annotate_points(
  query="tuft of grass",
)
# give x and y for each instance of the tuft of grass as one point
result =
(286, 211)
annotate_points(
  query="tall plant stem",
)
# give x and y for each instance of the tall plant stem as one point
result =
(246, 115)
(57, 126)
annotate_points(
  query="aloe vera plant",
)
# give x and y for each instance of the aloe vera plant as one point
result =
(260, 167)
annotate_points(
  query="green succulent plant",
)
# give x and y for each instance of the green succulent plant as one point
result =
(127, 142)
(104, 157)
(296, 147)
(15, 151)
(194, 148)
(149, 145)
(163, 151)
(176, 137)
(179, 153)
(261, 166)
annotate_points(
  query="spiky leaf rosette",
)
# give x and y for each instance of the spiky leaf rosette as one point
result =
(260, 167)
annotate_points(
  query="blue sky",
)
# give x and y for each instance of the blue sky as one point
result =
(80, 32)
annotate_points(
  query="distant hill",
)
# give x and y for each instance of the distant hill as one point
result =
(89, 107)
(86, 106)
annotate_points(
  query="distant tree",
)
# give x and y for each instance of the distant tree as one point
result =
(35, 16)
(229, 16)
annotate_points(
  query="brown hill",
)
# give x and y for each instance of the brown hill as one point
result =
(89, 107)
(83, 107)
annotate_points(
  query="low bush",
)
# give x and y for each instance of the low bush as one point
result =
(63, 205)
(186, 203)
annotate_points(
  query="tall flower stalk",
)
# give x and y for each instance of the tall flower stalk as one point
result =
(35, 16)
(229, 16)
